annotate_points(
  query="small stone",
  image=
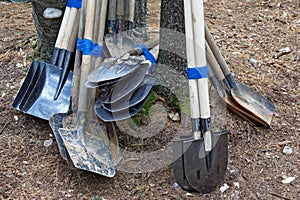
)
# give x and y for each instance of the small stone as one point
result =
(47, 143)
(188, 194)
(16, 118)
(224, 188)
(287, 150)
(174, 117)
(52, 13)
(288, 180)
(236, 184)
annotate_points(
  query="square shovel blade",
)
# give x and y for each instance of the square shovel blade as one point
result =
(196, 169)
(205, 170)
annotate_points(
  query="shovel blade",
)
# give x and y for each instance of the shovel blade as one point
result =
(132, 98)
(205, 170)
(40, 102)
(178, 164)
(28, 84)
(109, 116)
(114, 68)
(251, 100)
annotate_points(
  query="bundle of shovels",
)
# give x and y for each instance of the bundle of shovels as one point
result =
(200, 158)
(82, 94)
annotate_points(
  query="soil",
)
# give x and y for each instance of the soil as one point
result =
(256, 165)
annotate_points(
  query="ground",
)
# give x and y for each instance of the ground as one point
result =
(243, 30)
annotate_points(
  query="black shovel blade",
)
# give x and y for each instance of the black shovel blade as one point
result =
(205, 170)
(40, 100)
(67, 66)
(108, 116)
(178, 163)
(28, 84)
(132, 98)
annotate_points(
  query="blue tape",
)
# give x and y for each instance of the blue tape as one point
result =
(148, 55)
(74, 3)
(197, 72)
(89, 48)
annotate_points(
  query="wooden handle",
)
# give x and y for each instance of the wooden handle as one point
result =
(74, 34)
(131, 10)
(216, 52)
(69, 27)
(152, 42)
(214, 64)
(190, 51)
(112, 9)
(86, 59)
(120, 7)
(198, 27)
(62, 28)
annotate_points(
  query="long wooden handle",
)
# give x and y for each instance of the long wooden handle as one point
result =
(86, 59)
(69, 27)
(112, 9)
(131, 9)
(220, 59)
(120, 7)
(62, 28)
(191, 59)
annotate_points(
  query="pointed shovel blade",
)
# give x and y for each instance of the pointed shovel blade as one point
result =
(114, 68)
(127, 84)
(132, 98)
(205, 170)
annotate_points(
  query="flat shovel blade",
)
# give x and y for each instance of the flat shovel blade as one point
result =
(27, 85)
(40, 101)
(89, 152)
(252, 101)
(205, 170)
(178, 164)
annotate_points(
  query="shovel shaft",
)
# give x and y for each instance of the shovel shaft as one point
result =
(220, 58)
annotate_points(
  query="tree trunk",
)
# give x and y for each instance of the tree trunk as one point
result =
(172, 40)
(47, 29)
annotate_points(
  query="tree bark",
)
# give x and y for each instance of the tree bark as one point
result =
(172, 40)
(47, 29)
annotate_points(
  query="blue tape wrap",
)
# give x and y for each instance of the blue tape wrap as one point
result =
(148, 55)
(74, 3)
(197, 72)
(89, 48)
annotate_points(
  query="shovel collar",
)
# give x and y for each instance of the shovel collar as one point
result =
(148, 55)
(197, 72)
(74, 3)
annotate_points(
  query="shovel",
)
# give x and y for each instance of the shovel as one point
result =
(40, 86)
(200, 159)
(129, 94)
(219, 81)
(260, 109)
(86, 139)
(120, 66)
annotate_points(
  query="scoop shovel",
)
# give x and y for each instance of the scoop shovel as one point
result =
(39, 89)
(260, 109)
(203, 160)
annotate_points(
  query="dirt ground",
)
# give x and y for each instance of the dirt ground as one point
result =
(257, 164)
